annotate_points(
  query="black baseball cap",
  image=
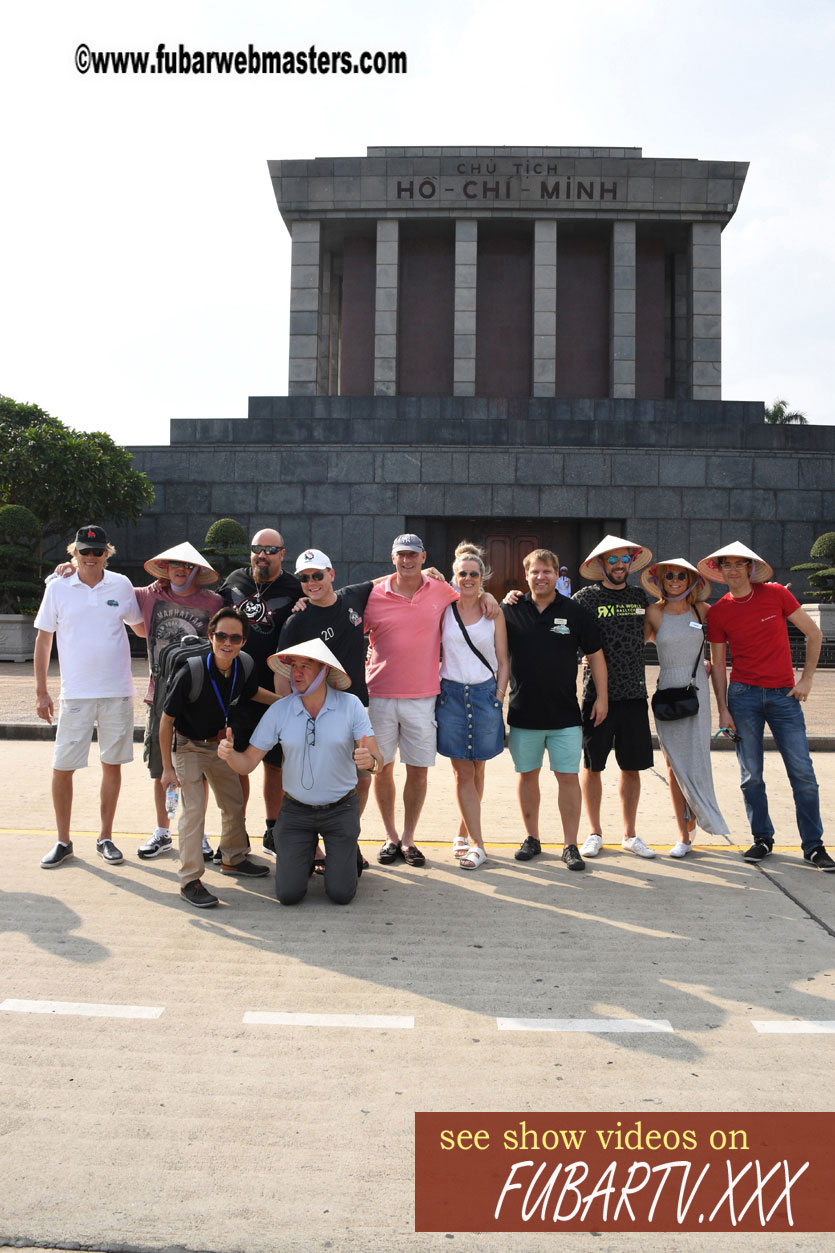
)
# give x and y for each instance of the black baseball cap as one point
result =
(91, 537)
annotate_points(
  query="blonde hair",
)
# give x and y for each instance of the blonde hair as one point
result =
(542, 554)
(468, 551)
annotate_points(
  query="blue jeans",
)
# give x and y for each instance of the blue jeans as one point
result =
(752, 708)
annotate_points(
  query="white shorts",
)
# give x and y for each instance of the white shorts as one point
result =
(113, 715)
(407, 722)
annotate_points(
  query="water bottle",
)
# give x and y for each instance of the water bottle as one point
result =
(172, 797)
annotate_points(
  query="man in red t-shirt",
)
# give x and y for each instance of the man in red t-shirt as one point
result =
(751, 618)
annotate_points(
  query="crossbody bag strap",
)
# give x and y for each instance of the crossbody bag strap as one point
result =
(478, 654)
(701, 652)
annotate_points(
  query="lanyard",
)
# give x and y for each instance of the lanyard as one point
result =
(224, 708)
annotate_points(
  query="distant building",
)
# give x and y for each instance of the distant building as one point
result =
(518, 345)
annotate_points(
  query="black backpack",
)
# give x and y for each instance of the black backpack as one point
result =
(191, 651)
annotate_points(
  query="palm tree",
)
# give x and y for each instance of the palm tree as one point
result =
(780, 415)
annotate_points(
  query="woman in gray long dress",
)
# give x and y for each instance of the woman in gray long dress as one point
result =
(675, 623)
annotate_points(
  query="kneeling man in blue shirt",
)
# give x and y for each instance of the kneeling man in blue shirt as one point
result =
(326, 736)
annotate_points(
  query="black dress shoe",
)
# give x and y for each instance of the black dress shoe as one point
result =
(60, 853)
(246, 868)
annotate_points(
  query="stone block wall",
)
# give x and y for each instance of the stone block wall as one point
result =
(349, 474)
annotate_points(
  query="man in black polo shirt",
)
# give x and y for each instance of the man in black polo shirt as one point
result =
(265, 593)
(544, 632)
(199, 723)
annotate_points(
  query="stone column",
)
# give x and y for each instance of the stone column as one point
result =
(325, 274)
(466, 276)
(304, 309)
(385, 308)
(622, 312)
(705, 354)
(544, 308)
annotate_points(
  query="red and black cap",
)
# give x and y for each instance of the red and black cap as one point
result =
(91, 536)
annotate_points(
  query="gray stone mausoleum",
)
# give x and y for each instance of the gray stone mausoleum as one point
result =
(517, 345)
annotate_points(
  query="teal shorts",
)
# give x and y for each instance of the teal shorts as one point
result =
(564, 745)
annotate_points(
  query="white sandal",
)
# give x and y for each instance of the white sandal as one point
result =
(473, 858)
(460, 845)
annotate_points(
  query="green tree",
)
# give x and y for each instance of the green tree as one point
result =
(779, 414)
(66, 477)
(227, 546)
(21, 588)
(821, 569)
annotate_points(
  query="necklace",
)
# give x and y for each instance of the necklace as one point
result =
(261, 591)
(742, 600)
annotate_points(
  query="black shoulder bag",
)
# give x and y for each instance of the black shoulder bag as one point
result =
(671, 703)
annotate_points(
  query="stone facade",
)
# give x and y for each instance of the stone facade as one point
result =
(586, 280)
(349, 474)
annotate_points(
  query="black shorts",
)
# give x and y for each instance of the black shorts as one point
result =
(626, 729)
(245, 720)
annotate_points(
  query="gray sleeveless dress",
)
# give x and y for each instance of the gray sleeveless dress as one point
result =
(686, 743)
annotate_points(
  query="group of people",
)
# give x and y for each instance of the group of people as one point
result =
(284, 680)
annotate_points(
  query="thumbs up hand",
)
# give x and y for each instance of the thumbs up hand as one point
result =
(226, 745)
(363, 758)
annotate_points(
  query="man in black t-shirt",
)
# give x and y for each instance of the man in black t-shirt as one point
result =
(265, 593)
(620, 613)
(336, 618)
(544, 632)
(198, 724)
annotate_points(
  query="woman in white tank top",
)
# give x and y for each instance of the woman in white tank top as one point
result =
(469, 710)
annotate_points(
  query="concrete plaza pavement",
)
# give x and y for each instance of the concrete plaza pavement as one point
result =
(199, 1130)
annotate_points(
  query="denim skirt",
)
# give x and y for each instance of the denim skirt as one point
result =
(470, 721)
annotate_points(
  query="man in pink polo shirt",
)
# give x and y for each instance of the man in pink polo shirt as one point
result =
(403, 616)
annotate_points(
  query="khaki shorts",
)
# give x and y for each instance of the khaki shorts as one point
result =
(407, 722)
(112, 715)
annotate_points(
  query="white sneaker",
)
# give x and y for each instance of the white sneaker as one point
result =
(637, 845)
(592, 845)
(159, 842)
(681, 849)
(208, 851)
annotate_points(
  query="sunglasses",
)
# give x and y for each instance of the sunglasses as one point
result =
(91, 552)
(315, 576)
(469, 574)
(675, 574)
(223, 636)
(183, 565)
(613, 561)
(269, 549)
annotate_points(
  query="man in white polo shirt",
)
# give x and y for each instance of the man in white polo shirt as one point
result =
(87, 612)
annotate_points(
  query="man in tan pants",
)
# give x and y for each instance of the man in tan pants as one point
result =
(200, 718)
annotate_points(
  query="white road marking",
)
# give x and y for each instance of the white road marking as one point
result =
(807, 1026)
(82, 1009)
(378, 1021)
(591, 1025)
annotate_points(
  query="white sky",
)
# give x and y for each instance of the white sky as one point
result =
(145, 267)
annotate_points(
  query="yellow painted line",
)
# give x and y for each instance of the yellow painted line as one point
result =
(435, 844)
